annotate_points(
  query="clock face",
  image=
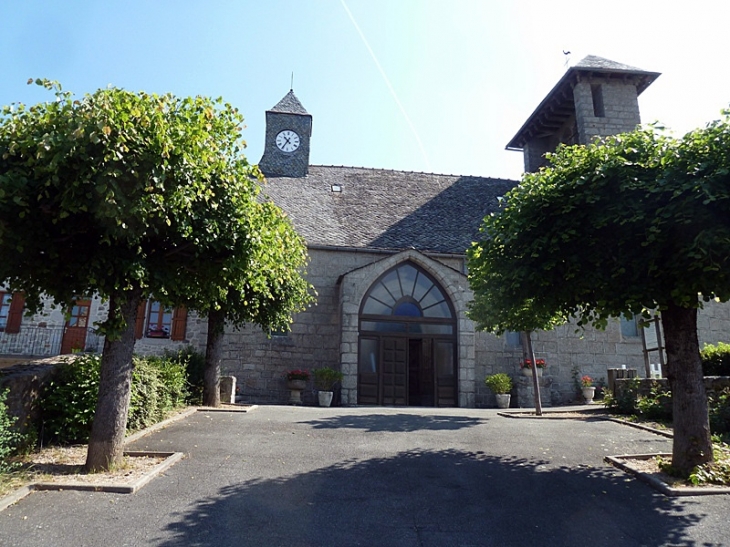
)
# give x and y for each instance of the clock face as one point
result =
(287, 141)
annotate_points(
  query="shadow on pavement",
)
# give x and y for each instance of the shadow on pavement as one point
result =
(438, 498)
(396, 422)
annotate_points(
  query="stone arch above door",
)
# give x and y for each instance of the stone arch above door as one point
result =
(354, 286)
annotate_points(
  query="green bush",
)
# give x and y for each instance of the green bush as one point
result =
(716, 359)
(499, 383)
(626, 401)
(325, 378)
(194, 364)
(69, 401)
(10, 439)
(719, 404)
(159, 385)
(655, 406)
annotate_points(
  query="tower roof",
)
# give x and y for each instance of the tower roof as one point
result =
(290, 105)
(558, 105)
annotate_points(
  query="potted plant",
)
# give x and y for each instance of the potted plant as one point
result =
(501, 385)
(588, 389)
(526, 366)
(296, 381)
(325, 379)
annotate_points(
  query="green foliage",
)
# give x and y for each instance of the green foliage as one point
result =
(717, 472)
(134, 186)
(159, 385)
(589, 236)
(716, 359)
(194, 365)
(656, 406)
(10, 439)
(626, 400)
(719, 410)
(499, 383)
(153, 195)
(325, 378)
(69, 401)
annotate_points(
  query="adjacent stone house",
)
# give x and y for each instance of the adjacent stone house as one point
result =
(387, 258)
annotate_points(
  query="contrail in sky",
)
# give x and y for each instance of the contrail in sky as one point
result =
(390, 87)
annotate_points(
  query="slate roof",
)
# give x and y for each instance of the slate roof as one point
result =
(289, 105)
(596, 62)
(383, 209)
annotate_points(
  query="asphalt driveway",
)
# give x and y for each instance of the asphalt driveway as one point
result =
(378, 477)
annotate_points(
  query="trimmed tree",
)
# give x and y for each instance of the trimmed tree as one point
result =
(258, 280)
(637, 222)
(107, 194)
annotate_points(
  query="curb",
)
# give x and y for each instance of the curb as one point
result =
(237, 407)
(15, 497)
(661, 432)
(658, 484)
(584, 413)
(171, 458)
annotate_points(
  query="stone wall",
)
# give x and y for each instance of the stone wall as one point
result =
(714, 384)
(259, 362)
(25, 383)
(620, 108)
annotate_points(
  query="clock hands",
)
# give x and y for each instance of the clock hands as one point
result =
(287, 141)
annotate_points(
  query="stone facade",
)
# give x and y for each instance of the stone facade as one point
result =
(605, 107)
(41, 334)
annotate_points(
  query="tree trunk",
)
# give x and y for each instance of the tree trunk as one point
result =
(106, 442)
(212, 375)
(692, 444)
(527, 342)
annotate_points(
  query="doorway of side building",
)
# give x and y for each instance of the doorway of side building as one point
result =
(74, 332)
(407, 347)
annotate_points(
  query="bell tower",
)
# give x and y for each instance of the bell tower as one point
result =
(595, 98)
(288, 131)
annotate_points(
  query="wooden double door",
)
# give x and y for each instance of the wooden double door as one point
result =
(407, 371)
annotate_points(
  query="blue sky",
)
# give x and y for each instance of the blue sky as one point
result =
(466, 73)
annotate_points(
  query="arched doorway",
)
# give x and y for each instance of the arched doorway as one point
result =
(407, 341)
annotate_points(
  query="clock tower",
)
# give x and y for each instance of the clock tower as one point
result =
(288, 130)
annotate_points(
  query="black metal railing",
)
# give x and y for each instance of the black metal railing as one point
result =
(43, 341)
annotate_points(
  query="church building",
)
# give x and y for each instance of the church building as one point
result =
(387, 251)
(387, 259)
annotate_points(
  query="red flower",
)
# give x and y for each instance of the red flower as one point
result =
(297, 374)
(528, 363)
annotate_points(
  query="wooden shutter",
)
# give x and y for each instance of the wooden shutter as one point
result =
(139, 325)
(179, 323)
(15, 313)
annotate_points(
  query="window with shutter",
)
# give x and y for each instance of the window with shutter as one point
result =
(4, 309)
(11, 312)
(157, 321)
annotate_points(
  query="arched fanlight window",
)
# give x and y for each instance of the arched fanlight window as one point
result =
(406, 291)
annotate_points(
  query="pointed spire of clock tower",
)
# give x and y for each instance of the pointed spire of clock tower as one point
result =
(289, 105)
(288, 130)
